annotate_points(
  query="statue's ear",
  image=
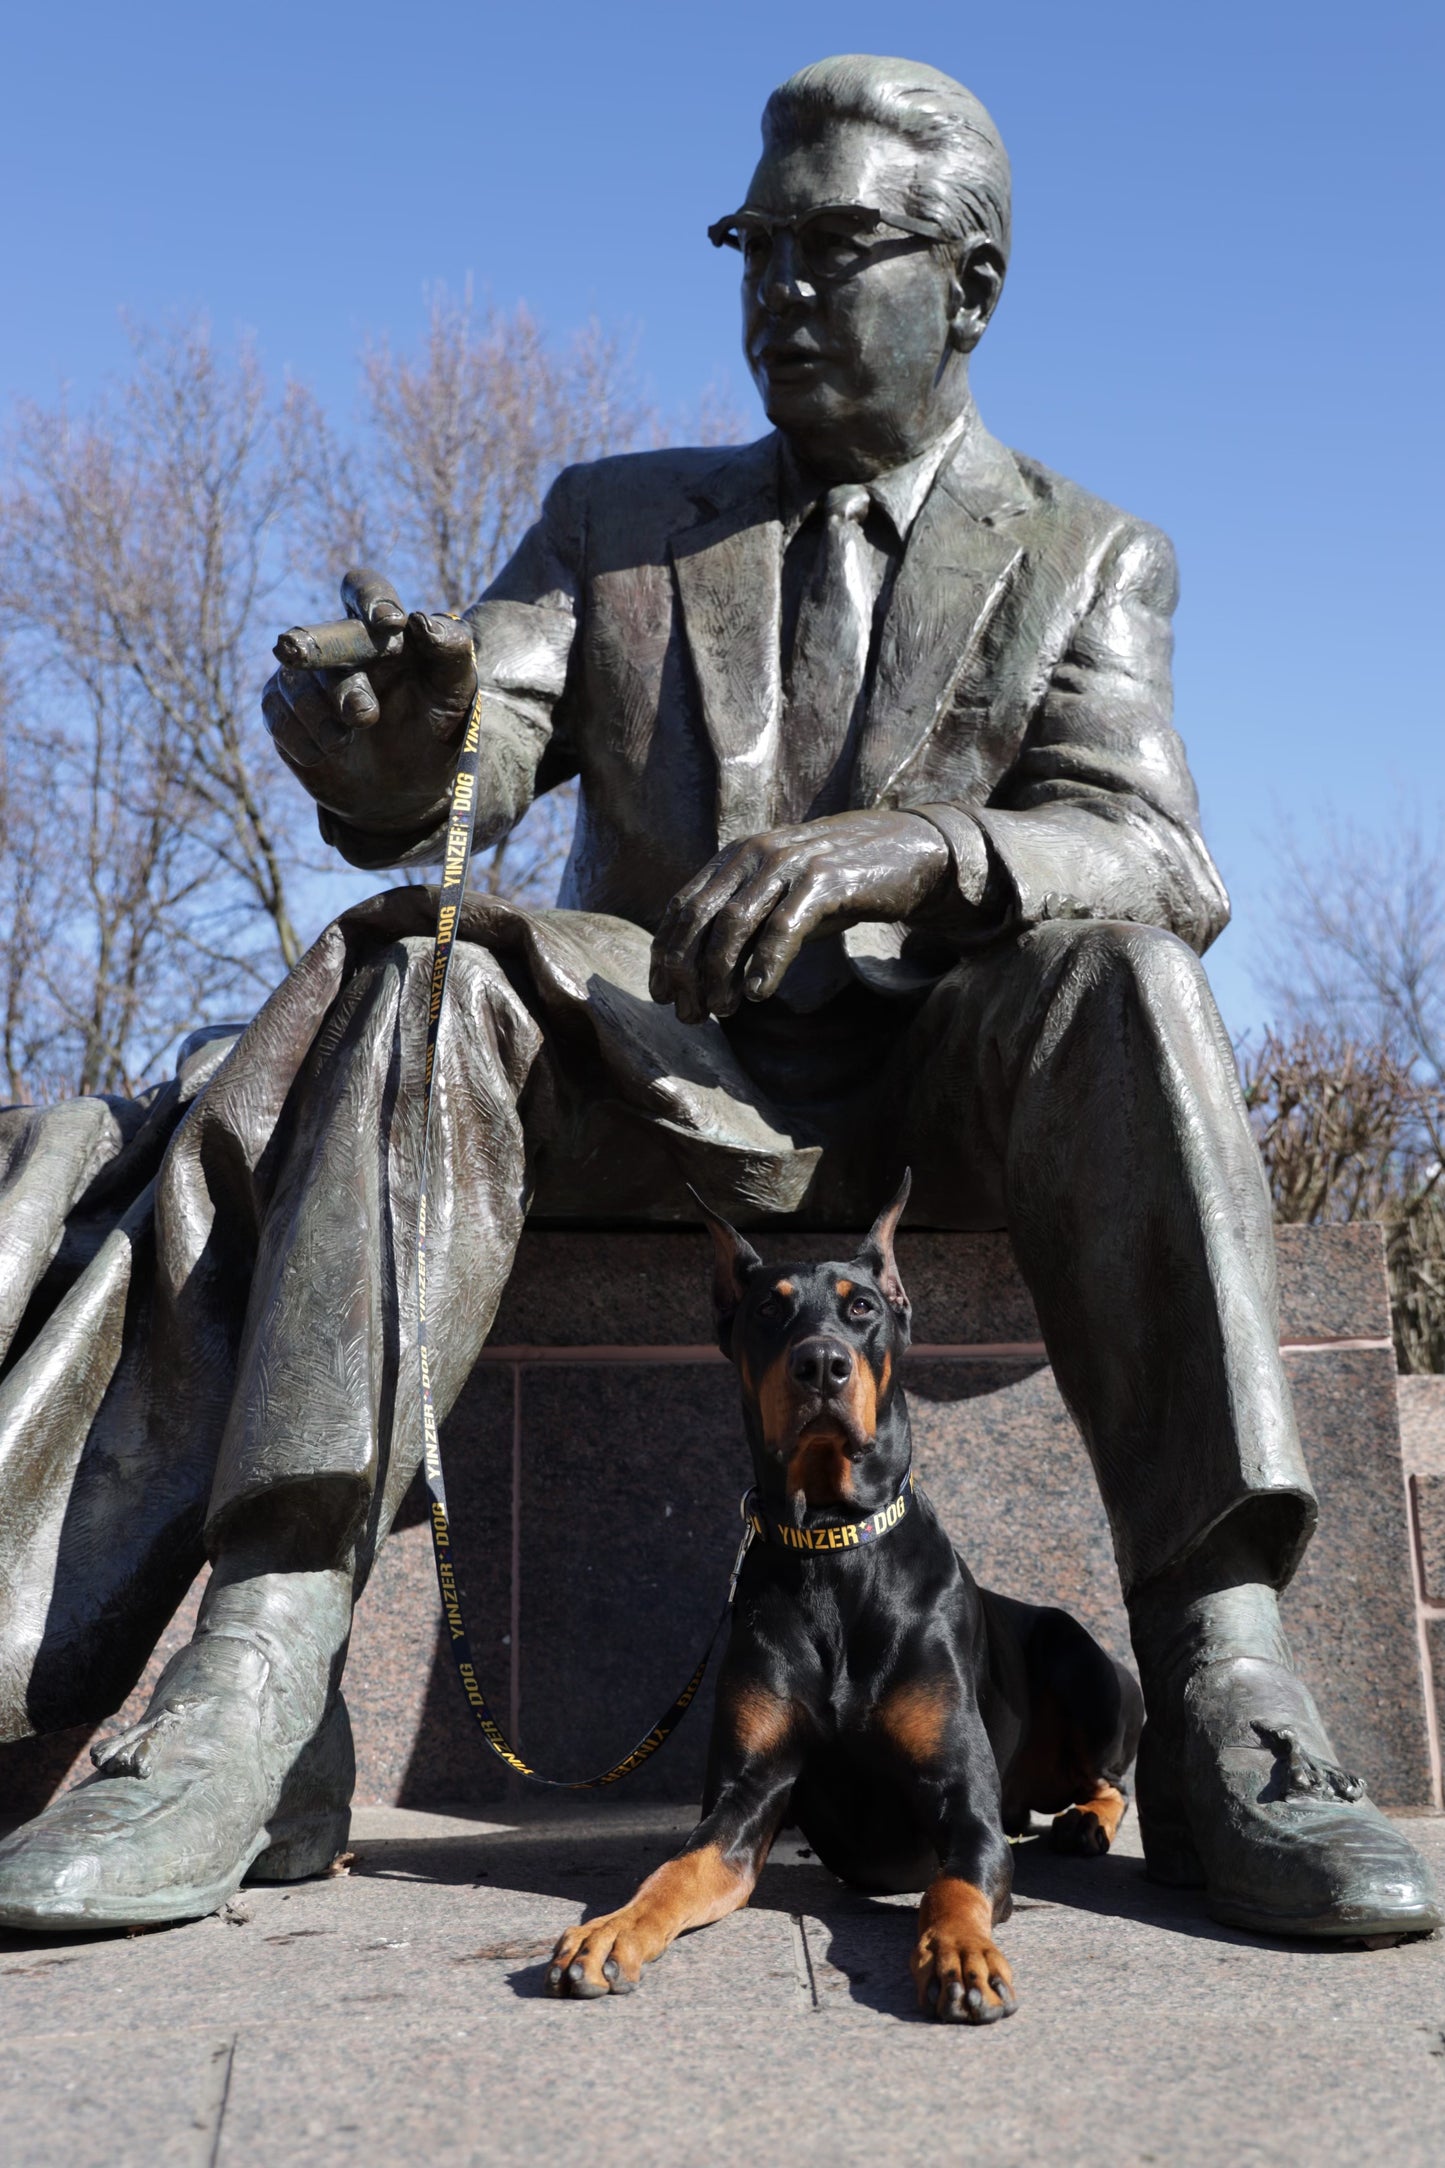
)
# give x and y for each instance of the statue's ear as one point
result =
(733, 1260)
(877, 1250)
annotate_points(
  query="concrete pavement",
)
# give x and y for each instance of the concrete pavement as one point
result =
(394, 2014)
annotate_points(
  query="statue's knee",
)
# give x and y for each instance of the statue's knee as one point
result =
(1147, 961)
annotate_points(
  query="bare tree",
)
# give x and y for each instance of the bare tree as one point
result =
(1349, 1132)
(1348, 1096)
(26, 859)
(140, 565)
(1357, 940)
(156, 860)
(89, 864)
(141, 555)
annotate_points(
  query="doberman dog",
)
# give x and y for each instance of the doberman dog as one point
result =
(905, 1719)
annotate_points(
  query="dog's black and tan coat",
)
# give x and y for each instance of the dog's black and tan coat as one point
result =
(907, 1720)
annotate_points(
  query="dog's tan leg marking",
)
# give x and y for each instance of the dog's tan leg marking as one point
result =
(606, 1956)
(759, 1720)
(915, 1716)
(960, 1975)
(1091, 1826)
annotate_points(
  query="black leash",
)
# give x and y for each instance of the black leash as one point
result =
(455, 861)
(757, 1520)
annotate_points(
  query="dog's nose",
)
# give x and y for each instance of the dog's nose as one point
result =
(821, 1366)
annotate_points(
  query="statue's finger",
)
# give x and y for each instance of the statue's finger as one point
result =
(287, 729)
(371, 597)
(689, 914)
(681, 953)
(444, 659)
(355, 701)
(666, 943)
(313, 700)
(659, 976)
(692, 889)
(787, 928)
(729, 935)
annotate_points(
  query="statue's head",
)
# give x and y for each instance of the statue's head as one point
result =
(874, 237)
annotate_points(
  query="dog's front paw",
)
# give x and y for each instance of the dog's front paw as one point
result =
(960, 1981)
(1089, 1829)
(597, 1957)
(961, 1976)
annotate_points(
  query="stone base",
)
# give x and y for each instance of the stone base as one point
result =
(1422, 1438)
(595, 1463)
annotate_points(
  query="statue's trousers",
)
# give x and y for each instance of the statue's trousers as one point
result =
(207, 1296)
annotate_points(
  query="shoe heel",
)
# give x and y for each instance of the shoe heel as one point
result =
(313, 1816)
(1169, 1854)
(301, 1848)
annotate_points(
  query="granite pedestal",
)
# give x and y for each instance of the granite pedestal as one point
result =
(595, 1464)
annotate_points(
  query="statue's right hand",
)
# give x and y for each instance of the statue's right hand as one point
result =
(378, 741)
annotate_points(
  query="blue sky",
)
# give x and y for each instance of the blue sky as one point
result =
(1224, 310)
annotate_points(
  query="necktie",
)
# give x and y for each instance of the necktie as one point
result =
(829, 661)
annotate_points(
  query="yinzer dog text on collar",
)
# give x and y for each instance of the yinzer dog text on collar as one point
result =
(840, 1536)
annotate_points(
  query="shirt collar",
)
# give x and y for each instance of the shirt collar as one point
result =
(900, 493)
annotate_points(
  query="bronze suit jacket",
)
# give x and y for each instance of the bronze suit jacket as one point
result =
(1021, 682)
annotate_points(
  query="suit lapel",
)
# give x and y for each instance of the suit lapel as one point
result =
(729, 577)
(961, 557)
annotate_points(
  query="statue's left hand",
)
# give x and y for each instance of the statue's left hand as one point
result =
(736, 926)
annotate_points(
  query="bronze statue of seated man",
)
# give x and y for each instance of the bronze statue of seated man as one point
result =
(886, 854)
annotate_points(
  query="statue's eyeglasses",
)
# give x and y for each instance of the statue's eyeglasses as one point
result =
(830, 239)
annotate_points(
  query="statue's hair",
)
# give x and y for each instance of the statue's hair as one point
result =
(961, 182)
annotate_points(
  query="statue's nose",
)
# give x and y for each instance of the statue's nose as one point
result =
(785, 284)
(821, 1366)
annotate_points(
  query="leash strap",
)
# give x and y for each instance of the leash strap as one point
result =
(456, 859)
(842, 1536)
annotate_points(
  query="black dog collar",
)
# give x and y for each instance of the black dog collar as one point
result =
(842, 1536)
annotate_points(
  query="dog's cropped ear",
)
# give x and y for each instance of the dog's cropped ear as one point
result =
(733, 1260)
(877, 1250)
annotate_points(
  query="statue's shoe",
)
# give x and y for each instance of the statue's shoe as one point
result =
(1244, 1797)
(204, 1791)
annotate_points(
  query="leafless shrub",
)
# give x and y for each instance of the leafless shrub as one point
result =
(1349, 1131)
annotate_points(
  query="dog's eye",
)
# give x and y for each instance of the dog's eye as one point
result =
(770, 1307)
(860, 1306)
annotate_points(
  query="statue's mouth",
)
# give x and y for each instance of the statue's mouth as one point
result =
(788, 362)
